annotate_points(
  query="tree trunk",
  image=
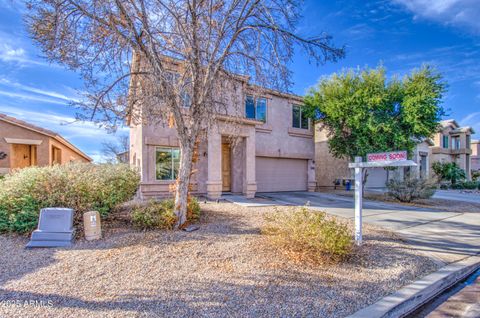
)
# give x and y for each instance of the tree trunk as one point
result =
(365, 177)
(183, 182)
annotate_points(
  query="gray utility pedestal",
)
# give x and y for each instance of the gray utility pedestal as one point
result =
(55, 228)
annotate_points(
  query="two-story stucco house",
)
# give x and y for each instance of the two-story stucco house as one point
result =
(23, 145)
(271, 148)
(452, 143)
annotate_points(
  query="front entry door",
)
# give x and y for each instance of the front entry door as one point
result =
(226, 167)
(23, 156)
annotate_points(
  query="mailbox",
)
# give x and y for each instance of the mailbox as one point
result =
(92, 226)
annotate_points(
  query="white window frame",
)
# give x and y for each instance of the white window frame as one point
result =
(255, 99)
(300, 118)
(172, 163)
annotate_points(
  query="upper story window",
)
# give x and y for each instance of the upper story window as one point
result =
(256, 108)
(167, 161)
(186, 99)
(445, 142)
(456, 142)
(468, 141)
(299, 120)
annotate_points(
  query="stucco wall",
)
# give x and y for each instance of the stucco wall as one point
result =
(277, 137)
(13, 131)
(475, 155)
(328, 168)
(68, 155)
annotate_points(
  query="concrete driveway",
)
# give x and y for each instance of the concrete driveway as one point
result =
(445, 236)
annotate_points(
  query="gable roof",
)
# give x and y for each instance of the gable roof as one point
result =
(43, 131)
(449, 122)
(455, 126)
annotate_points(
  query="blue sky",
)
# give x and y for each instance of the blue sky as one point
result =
(400, 34)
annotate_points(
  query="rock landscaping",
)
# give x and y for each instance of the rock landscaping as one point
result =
(227, 268)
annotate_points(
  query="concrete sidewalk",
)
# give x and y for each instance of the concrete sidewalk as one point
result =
(445, 236)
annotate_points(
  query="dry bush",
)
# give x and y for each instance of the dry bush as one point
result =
(411, 189)
(160, 214)
(308, 236)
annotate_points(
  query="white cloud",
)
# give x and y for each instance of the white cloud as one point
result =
(31, 97)
(463, 13)
(14, 49)
(43, 92)
(12, 53)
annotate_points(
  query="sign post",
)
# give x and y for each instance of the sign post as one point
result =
(374, 160)
(358, 201)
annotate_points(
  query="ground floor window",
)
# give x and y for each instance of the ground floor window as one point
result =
(167, 161)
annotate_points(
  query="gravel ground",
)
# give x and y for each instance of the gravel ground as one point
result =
(225, 269)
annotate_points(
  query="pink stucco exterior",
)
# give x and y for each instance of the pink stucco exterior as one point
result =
(475, 155)
(284, 152)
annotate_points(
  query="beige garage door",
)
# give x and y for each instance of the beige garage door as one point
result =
(274, 174)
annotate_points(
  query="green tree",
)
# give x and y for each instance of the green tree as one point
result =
(364, 112)
(448, 171)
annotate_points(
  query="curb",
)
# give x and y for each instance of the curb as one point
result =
(411, 297)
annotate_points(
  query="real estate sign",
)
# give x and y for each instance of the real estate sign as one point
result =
(387, 156)
(374, 160)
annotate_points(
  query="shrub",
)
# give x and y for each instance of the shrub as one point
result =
(410, 189)
(154, 215)
(476, 175)
(470, 185)
(457, 186)
(444, 187)
(159, 214)
(80, 186)
(308, 235)
(449, 171)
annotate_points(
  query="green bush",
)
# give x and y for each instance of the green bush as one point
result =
(476, 176)
(80, 186)
(159, 214)
(153, 215)
(444, 187)
(457, 186)
(448, 171)
(410, 189)
(308, 235)
(470, 185)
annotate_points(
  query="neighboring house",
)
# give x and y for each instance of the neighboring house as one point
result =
(24, 145)
(475, 144)
(123, 157)
(331, 170)
(452, 143)
(267, 147)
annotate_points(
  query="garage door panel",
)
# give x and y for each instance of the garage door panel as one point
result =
(279, 174)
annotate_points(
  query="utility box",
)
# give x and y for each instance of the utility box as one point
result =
(92, 225)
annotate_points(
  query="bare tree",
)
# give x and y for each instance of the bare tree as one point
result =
(117, 150)
(172, 52)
